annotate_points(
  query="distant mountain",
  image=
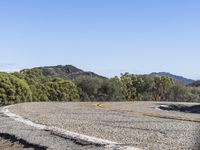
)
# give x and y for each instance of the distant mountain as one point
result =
(179, 79)
(72, 72)
(195, 83)
(67, 71)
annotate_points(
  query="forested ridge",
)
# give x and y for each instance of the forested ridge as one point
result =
(37, 85)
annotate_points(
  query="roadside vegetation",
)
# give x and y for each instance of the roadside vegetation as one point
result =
(32, 85)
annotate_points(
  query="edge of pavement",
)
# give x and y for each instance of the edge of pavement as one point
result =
(109, 145)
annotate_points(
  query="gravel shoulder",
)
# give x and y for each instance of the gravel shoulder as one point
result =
(126, 128)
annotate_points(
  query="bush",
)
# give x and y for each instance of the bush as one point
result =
(61, 90)
(32, 85)
(112, 90)
(13, 90)
(88, 87)
(48, 88)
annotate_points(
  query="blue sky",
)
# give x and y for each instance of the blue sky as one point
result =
(104, 36)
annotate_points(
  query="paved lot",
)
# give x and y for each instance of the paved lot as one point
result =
(17, 136)
(123, 127)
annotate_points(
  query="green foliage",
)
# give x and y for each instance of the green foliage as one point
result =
(61, 90)
(146, 91)
(48, 88)
(115, 89)
(195, 84)
(88, 87)
(178, 93)
(111, 90)
(96, 89)
(33, 85)
(158, 88)
(32, 75)
(162, 87)
(13, 90)
(129, 90)
(35, 80)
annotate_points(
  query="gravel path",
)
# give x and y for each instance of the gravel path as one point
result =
(126, 128)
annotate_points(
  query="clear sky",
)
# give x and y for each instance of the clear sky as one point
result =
(104, 36)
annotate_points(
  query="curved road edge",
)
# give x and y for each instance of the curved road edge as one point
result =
(79, 139)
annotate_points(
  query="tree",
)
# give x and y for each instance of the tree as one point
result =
(145, 91)
(162, 87)
(35, 80)
(32, 84)
(111, 90)
(48, 88)
(129, 90)
(59, 89)
(88, 87)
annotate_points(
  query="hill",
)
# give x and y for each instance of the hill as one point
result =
(67, 71)
(179, 79)
(195, 84)
(72, 72)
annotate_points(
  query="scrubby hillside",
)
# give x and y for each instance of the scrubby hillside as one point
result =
(195, 84)
(68, 83)
(67, 71)
(179, 79)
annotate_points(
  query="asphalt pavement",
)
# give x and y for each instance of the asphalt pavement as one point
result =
(15, 135)
(122, 122)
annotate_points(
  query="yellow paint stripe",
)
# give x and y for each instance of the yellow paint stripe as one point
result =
(147, 114)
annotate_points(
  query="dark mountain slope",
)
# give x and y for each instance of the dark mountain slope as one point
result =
(179, 79)
(195, 83)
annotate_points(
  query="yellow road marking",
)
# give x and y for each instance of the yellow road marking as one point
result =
(148, 114)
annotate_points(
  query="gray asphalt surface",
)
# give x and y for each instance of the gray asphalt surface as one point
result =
(122, 127)
(27, 137)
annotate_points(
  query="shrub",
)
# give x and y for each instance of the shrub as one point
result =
(13, 90)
